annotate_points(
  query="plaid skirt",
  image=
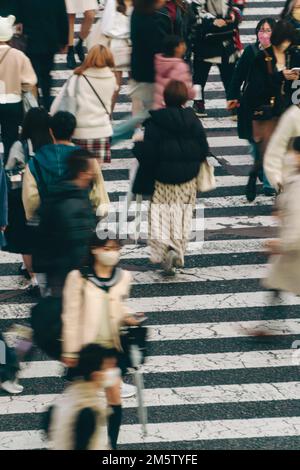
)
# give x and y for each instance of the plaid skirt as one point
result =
(98, 147)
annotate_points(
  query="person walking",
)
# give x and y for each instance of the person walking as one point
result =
(16, 76)
(78, 419)
(95, 85)
(291, 14)
(169, 159)
(94, 310)
(239, 83)
(214, 42)
(35, 134)
(269, 92)
(169, 66)
(46, 26)
(89, 9)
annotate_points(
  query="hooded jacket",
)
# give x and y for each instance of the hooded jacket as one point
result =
(52, 161)
(166, 69)
(174, 146)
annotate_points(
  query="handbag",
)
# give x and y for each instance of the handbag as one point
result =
(206, 178)
(265, 112)
(66, 101)
(29, 101)
(14, 178)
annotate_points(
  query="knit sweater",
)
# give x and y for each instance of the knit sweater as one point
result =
(16, 75)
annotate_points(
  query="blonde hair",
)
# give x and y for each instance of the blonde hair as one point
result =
(99, 56)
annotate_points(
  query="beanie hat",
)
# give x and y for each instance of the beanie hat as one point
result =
(6, 27)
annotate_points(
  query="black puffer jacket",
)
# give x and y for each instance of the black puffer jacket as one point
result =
(174, 146)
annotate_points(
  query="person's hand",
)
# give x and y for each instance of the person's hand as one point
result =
(290, 75)
(69, 361)
(220, 23)
(232, 104)
(273, 246)
(2, 228)
(135, 320)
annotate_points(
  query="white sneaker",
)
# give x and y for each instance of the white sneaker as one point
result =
(12, 387)
(127, 390)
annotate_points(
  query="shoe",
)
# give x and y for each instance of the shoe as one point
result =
(172, 260)
(24, 272)
(251, 188)
(12, 387)
(127, 390)
(79, 50)
(269, 192)
(199, 108)
(71, 62)
(33, 291)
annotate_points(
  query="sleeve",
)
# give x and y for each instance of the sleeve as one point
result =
(290, 230)
(30, 194)
(240, 74)
(62, 23)
(72, 306)
(278, 147)
(16, 157)
(28, 76)
(85, 427)
(98, 195)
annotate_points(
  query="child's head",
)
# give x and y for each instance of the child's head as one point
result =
(105, 249)
(173, 46)
(296, 149)
(176, 94)
(97, 364)
(62, 126)
(81, 168)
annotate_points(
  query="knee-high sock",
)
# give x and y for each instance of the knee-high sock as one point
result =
(114, 424)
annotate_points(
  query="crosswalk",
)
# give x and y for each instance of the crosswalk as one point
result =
(211, 382)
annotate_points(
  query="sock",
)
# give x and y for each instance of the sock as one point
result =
(23, 266)
(79, 42)
(114, 424)
(34, 281)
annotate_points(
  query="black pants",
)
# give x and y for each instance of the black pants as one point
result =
(202, 69)
(11, 116)
(43, 64)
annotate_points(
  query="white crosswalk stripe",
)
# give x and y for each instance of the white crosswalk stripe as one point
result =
(208, 379)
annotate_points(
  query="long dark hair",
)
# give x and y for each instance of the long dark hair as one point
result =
(287, 9)
(36, 128)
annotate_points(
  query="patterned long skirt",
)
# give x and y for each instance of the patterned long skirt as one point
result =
(170, 219)
(98, 147)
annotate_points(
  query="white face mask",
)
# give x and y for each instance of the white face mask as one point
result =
(108, 258)
(111, 377)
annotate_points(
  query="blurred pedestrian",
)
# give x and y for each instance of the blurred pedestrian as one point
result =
(46, 26)
(269, 92)
(169, 158)
(78, 419)
(67, 221)
(169, 66)
(237, 98)
(213, 44)
(89, 9)
(16, 76)
(9, 369)
(291, 14)
(35, 134)
(94, 310)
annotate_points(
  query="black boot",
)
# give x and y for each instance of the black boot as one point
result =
(114, 424)
(79, 50)
(251, 187)
(71, 62)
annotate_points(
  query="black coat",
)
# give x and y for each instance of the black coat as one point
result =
(46, 24)
(174, 146)
(210, 41)
(147, 34)
(67, 221)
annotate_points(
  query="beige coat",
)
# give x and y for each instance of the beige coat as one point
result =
(31, 197)
(76, 397)
(284, 269)
(82, 306)
(277, 162)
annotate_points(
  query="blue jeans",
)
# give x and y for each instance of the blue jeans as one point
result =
(255, 154)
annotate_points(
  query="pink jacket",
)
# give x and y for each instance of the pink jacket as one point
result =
(166, 69)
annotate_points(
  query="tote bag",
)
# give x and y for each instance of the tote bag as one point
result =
(206, 180)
